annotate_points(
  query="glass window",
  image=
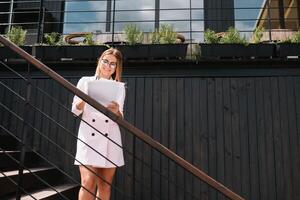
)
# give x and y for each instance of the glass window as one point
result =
(247, 14)
(85, 16)
(176, 14)
(197, 21)
(140, 13)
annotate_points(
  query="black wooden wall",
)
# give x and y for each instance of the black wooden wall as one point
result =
(239, 125)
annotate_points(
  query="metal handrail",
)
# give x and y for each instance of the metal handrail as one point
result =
(122, 122)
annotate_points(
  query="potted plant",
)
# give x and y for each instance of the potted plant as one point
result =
(164, 44)
(231, 44)
(161, 45)
(290, 47)
(16, 35)
(55, 48)
(133, 48)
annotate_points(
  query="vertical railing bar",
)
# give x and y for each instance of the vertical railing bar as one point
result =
(191, 37)
(269, 21)
(41, 13)
(11, 8)
(113, 23)
(24, 134)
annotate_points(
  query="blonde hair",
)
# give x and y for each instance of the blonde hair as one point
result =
(119, 57)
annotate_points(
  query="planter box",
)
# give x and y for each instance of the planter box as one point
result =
(7, 53)
(288, 49)
(153, 51)
(69, 52)
(238, 50)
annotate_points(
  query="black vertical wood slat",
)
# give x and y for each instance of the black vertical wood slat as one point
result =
(147, 178)
(45, 122)
(51, 126)
(172, 136)
(7, 102)
(270, 164)
(261, 143)
(139, 122)
(66, 119)
(156, 183)
(279, 179)
(128, 139)
(297, 99)
(219, 132)
(188, 135)
(54, 128)
(244, 138)
(129, 114)
(228, 134)
(211, 116)
(180, 135)
(284, 129)
(293, 147)
(254, 181)
(235, 118)
(2, 91)
(22, 92)
(196, 134)
(37, 115)
(203, 134)
(164, 135)
(14, 105)
(296, 81)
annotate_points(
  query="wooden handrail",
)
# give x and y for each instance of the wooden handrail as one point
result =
(135, 131)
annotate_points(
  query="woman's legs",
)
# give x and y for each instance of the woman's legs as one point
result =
(88, 181)
(104, 189)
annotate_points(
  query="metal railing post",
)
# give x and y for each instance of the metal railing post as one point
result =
(113, 23)
(11, 9)
(41, 22)
(269, 21)
(25, 131)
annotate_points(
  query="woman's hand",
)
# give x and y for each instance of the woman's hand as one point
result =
(80, 105)
(114, 107)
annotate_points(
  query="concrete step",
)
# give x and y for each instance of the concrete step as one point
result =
(7, 163)
(7, 142)
(70, 191)
(50, 175)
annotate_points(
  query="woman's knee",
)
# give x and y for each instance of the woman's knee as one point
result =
(88, 181)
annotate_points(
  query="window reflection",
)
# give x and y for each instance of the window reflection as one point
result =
(85, 17)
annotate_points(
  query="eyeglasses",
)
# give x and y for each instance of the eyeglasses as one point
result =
(112, 65)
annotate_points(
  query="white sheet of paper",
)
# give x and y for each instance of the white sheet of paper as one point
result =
(104, 91)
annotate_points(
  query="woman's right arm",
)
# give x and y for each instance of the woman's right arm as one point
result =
(78, 104)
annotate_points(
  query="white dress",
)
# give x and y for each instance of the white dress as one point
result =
(110, 154)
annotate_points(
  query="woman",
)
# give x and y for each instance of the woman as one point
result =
(109, 68)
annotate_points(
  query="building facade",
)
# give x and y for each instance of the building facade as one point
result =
(189, 17)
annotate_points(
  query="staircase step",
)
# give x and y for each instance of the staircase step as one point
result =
(7, 163)
(7, 142)
(51, 175)
(68, 190)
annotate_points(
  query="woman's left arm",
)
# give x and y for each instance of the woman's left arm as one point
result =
(117, 106)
